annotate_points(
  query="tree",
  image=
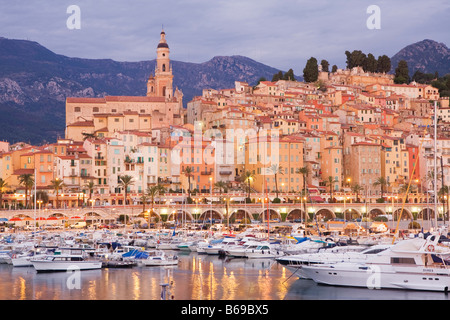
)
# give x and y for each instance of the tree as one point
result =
(277, 76)
(3, 185)
(383, 64)
(276, 169)
(90, 186)
(289, 75)
(383, 183)
(247, 177)
(356, 58)
(126, 181)
(304, 171)
(27, 181)
(370, 64)
(334, 68)
(311, 70)
(330, 182)
(57, 185)
(325, 65)
(87, 135)
(152, 192)
(356, 188)
(222, 186)
(188, 173)
(401, 73)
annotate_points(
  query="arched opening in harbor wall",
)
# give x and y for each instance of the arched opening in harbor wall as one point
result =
(180, 215)
(206, 215)
(269, 213)
(405, 214)
(426, 214)
(296, 215)
(325, 214)
(351, 214)
(373, 213)
(240, 215)
(58, 216)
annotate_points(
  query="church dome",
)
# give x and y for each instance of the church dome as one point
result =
(163, 45)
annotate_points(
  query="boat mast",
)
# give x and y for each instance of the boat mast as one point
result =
(435, 164)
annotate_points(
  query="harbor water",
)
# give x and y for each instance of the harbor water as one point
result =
(196, 277)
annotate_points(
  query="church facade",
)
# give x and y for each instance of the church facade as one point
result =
(161, 107)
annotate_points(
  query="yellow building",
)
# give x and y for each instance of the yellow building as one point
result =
(331, 159)
(283, 155)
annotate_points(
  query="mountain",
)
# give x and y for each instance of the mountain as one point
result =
(427, 56)
(34, 83)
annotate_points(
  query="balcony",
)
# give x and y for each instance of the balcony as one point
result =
(206, 173)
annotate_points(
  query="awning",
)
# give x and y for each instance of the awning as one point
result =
(317, 199)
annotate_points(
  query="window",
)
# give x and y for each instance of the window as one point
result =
(403, 260)
(77, 109)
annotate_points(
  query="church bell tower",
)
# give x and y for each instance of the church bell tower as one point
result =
(161, 84)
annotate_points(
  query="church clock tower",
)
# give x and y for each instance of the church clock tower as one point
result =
(161, 84)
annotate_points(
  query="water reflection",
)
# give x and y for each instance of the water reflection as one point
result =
(197, 277)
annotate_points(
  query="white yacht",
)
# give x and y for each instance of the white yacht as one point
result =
(414, 264)
(64, 260)
(238, 251)
(221, 247)
(263, 251)
(294, 263)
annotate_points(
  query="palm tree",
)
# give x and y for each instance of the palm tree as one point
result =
(125, 182)
(330, 183)
(248, 177)
(3, 185)
(152, 192)
(27, 181)
(188, 172)
(57, 185)
(88, 136)
(382, 182)
(90, 186)
(304, 171)
(276, 169)
(144, 198)
(222, 186)
(356, 188)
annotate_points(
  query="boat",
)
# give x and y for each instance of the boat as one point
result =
(238, 251)
(23, 259)
(263, 251)
(65, 260)
(295, 263)
(157, 258)
(411, 264)
(220, 246)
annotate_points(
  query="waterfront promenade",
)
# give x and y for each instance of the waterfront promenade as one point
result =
(225, 211)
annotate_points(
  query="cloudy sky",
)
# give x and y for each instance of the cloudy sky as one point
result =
(282, 34)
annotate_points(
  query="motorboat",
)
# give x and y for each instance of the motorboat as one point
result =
(157, 258)
(305, 245)
(65, 260)
(413, 264)
(263, 251)
(295, 263)
(220, 246)
(239, 251)
(23, 259)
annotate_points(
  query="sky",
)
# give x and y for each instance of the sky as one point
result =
(283, 34)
